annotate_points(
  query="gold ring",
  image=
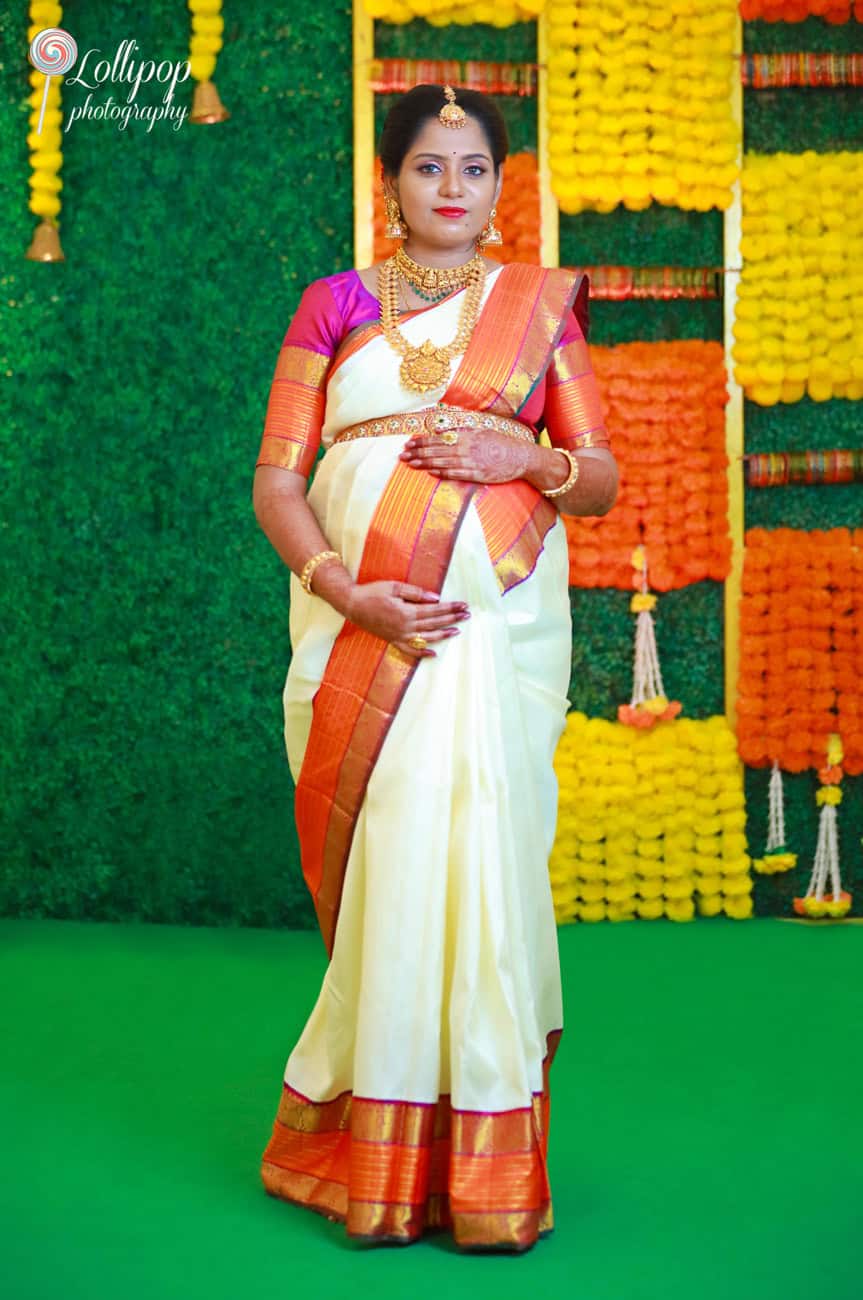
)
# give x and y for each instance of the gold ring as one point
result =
(450, 437)
(418, 641)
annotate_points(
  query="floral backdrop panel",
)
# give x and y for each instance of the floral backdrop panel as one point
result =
(640, 103)
(798, 324)
(801, 648)
(651, 823)
(664, 406)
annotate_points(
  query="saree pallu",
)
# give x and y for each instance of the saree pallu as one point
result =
(417, 1096)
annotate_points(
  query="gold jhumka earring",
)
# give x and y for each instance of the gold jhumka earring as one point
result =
(490, 233)
(396, 228)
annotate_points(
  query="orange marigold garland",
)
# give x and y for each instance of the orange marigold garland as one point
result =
(801, 648)
(664, 407)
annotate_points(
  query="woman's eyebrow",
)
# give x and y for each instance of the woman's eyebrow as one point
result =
(439, 157)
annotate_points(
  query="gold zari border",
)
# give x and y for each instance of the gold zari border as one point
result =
(283, 453)
(301, 365)
(394, 1169)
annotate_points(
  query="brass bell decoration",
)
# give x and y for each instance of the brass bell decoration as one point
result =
(207, 108)
(45, 246)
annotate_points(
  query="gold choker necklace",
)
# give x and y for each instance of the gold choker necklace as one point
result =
(427, 366)
(434, 281)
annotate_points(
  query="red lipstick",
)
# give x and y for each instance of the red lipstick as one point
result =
(451, 212)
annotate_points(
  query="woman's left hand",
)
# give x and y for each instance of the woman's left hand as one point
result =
(479, 455)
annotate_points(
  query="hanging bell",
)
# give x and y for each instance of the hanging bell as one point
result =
(45, 246)
(207, 108)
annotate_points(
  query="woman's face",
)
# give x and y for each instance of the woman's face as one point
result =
(447, 185)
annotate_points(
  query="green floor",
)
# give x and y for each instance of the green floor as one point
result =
(706, 1134)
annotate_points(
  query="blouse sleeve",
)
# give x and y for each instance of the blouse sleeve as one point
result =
(295, 410)
(573, 409)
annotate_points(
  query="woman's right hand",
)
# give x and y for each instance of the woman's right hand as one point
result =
(397, 611)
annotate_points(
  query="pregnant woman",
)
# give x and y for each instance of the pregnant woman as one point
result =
(431, 638)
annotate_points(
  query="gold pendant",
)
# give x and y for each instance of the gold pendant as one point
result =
(424, 367)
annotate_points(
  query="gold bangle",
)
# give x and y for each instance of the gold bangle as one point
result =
(573, 475)
(310, 566)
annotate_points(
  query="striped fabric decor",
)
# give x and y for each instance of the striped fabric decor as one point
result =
(767, 71)
(394, 76)
(776, 468)
(618, 283)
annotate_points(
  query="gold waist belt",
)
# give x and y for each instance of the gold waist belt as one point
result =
(436, 420)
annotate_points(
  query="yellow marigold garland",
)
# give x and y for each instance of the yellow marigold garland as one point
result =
(206, 40)
(640, 103)
(46, 157)
(651, 822)
(442, 12)
(799, 319)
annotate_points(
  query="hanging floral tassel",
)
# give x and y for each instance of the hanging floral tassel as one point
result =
(649, 703)
(207, 27)
(776, 855)
(826, 866)
(52, 53)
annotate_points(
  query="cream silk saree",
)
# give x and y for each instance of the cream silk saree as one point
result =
(417, 1096)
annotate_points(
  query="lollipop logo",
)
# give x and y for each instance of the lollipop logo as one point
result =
(53, 52)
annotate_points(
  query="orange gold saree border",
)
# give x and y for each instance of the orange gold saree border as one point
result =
(515, 519)
(560, 290)
(392, 1169)
(295, 409)
(572, 400)
(501, 366)
(411, 539)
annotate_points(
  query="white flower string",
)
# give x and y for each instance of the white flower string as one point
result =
(826, 857)
(825, 869)
(776, 856)
(649, 703)
(647, 676)
(776, 825)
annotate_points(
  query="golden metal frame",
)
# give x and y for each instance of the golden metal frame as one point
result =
(364, 180)
(364, 136)
(549, 225)
(734, 410)
(364, 143)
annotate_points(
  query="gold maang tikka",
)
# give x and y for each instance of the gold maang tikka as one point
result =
(452, 114)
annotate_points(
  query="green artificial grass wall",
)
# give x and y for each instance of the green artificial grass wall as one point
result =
(146, 615)
(143, 772)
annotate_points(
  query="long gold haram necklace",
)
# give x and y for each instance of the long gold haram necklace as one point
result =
(426, 366)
